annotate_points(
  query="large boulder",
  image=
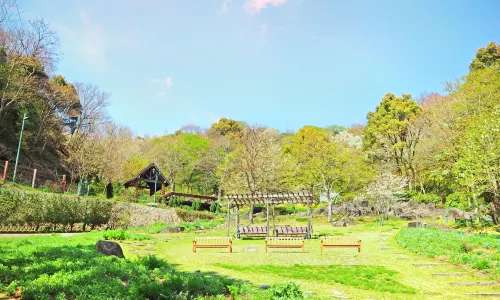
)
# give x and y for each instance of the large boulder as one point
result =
(456, 213)
(415, 224)
(348, 221)
(109, 248)
(339, 224)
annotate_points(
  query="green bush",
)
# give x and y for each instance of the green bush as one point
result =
(215, 207)
(191, 216)
(34, 208)
(196, 204)
(458, 200)
(426, 198)
(286, 291)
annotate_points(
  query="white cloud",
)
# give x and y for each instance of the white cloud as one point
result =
(255, 6)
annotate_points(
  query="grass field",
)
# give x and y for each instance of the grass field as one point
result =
(383, 270)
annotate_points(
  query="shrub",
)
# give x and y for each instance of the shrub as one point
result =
(36, 208)
(191, 216)
(215, 207)
(427, 198)
(196, 204)
(458, 200)
(286, 291)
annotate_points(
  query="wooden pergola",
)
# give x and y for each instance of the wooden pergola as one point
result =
(237, 200)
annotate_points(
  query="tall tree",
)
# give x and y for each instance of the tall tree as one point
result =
(486, 57)
(389, 131)
(257, 162)
(316, 158)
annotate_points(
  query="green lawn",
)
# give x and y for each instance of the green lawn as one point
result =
(381, 274)
(383, 270)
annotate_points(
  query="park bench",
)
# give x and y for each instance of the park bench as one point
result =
(340, 242)
(213, 242)
(292, 231)
(284, 242)
(251, 230)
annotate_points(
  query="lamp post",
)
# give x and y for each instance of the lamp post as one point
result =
(156, 180)
(25, 117)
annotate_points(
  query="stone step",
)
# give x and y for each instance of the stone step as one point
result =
(483, 295)
(427, 265)
(450, 274)
(474, 283)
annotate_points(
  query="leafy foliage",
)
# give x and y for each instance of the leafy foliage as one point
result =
(18, 207)
(477, 251)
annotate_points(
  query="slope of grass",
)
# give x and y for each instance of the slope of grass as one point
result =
(476, 250)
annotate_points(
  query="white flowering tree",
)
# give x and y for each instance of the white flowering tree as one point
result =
(384, 192)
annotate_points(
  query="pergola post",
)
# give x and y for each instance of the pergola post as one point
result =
(267, 217)
(237, 216)
(228, 216)
(309, 223)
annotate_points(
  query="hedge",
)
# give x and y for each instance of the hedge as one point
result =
(36, 209)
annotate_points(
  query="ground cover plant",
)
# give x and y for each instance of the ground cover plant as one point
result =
(479, 251)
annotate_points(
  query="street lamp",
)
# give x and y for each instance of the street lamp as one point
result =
(156, 180)
(19, 147)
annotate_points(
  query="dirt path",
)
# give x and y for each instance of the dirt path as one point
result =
(6, 235)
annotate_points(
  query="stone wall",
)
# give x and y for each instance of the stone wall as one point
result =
(134, 215)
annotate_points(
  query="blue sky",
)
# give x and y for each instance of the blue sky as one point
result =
(279, 63)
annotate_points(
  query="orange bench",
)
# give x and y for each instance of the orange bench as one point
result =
(213, 242)
(340, 242)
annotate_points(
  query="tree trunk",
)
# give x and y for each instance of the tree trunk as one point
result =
(250, 214)
(329, 211)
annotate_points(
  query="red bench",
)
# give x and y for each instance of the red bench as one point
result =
(251, 230)
(292, 230)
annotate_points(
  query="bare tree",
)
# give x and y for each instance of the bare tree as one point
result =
(93, 105)
(28, 53)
